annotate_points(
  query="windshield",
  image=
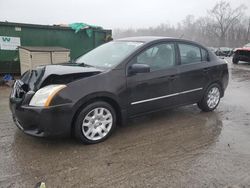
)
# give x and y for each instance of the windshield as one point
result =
(109, 54)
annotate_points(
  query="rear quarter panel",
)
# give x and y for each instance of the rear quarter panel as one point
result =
(218, 73)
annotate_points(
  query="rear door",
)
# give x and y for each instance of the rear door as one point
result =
(193, 72)
(150, 91)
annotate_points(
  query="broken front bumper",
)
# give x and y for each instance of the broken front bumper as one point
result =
(40, 121)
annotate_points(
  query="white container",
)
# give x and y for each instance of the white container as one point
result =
(31, 57)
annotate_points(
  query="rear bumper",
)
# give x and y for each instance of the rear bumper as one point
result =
(53, 121)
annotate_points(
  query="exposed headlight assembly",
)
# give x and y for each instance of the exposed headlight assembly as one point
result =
(44, 96)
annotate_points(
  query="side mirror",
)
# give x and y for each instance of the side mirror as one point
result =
(138, 68)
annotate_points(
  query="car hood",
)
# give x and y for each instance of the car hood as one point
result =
(243, 49)
(56, 74)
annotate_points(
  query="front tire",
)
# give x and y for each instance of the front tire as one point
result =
(95, 122)
(211, 98)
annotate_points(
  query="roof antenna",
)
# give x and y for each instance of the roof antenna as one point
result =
(181, 36)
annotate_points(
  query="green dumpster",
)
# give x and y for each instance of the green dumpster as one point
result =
(13, 35)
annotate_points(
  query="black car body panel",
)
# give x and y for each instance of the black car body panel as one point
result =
(43, 122)
(130, 95)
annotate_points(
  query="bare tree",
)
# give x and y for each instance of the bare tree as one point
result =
(222, 26)
(248, 31)
(223, 17)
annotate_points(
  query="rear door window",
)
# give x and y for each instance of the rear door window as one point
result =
(204, 55)
(189, 53)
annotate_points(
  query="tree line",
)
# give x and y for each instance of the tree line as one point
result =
(222, 26)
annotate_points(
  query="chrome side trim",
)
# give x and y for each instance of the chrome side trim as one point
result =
(165, 96)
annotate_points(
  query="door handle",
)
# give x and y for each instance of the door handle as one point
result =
(172, 77)
(206, 69)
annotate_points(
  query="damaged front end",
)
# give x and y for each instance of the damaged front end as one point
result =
(33, 80)
(31, 96)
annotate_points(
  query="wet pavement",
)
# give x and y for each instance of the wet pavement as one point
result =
(183, 147)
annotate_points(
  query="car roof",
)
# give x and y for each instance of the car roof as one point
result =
(144, 39)
(147, 39)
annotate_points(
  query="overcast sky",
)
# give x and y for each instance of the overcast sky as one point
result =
(107, 13)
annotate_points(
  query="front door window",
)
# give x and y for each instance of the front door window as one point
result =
(158, 57)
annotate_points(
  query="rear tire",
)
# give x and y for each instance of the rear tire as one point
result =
(95, 122)
(211, 98)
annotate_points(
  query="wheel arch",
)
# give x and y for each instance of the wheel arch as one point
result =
(219, 83)
(106, 97)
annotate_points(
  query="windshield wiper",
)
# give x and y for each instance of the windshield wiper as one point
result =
(72, 61)
(84, 64)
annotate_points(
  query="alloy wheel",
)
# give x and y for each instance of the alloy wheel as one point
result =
(213, 97)
(97, 123)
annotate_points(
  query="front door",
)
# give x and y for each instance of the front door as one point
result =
(151, 91)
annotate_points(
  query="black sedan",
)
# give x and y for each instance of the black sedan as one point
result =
(116, 81)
